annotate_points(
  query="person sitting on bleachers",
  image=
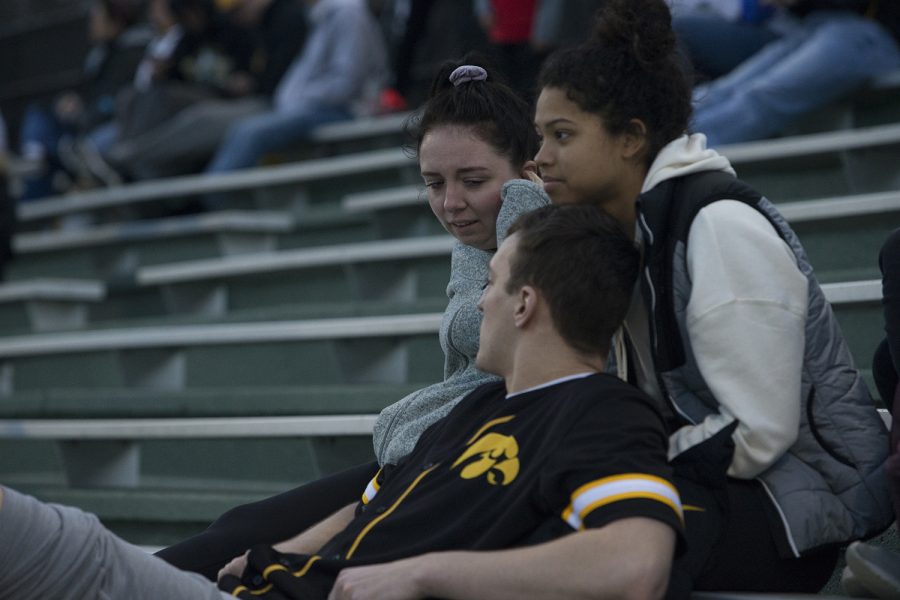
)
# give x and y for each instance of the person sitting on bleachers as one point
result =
(509, 25)
(475, 140)
(189, 124)
(773, 428)
(49, 134)
(553, 483)
(338, 74)
(834, 48)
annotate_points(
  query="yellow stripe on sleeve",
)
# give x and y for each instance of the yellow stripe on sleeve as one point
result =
(607, 490)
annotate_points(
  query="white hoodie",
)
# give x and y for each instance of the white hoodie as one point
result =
(745, 318)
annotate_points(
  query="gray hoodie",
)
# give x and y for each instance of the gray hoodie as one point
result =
(400, 424)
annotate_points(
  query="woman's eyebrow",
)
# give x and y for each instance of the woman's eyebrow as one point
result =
(462, 170)
(553, 122)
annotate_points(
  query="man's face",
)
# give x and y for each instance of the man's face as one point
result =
(498, 328)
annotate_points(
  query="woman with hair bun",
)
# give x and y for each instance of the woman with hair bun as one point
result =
(774, 434)
(474, 138)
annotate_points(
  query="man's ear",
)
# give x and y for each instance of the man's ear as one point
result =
(634, 139)
(526, 306)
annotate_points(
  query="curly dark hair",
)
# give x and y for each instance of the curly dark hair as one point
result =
(496, 114)
(629, 69)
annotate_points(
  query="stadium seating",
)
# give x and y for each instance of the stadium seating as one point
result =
(159, 370)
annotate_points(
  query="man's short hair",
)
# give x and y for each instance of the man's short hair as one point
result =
(585, 266)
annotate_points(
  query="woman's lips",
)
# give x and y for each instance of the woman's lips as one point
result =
(462, 224)
(551, 183)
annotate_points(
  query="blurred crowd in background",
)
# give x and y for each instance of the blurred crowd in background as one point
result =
(187, 86)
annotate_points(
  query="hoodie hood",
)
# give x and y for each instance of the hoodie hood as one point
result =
(683, 156)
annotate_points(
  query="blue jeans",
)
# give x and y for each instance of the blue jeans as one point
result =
(40, 134)
(716, 45)
(829, 55)
(251, 138)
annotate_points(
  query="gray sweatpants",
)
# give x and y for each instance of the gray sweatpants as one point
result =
(59, 552)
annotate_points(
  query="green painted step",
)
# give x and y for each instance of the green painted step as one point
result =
(58, 403)
(123, 256)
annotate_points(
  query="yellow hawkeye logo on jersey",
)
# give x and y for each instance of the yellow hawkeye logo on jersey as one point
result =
(494, 454)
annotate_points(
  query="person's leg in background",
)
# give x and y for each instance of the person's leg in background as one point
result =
(836, 54)
(52, 551)
(190, 137)
(716, 45)
(251, 138)
(405, 52)
(40, 133)
(268, 521)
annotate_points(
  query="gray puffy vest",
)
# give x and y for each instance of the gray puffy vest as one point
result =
(830, 487)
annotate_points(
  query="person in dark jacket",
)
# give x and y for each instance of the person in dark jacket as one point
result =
(777, 438)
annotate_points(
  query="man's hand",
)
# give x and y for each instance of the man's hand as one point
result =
(398, 580)
(235, 567)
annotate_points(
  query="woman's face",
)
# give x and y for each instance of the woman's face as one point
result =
(579, 160)
(463, 175)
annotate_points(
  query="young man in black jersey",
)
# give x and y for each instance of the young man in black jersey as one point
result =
(552, 485)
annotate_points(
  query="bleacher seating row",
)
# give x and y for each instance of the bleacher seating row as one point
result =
(151, 368)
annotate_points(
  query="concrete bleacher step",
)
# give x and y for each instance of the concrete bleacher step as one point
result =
(161, 513)
(152, 313)
(397, 212)
(402, 270)
(47, 304)
(820, 164)
(841, 234)
(126, 452)
(850, 161)
(875, 104)
(120, 438)
(308, 400)
(395, 348)
(844, 235)
(118, 249)
(367, 133)
(292, 187)
(107, 250)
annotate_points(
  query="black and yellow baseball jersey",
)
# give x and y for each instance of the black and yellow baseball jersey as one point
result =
(500, 472)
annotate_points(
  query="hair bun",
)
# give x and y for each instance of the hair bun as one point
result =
(466, 73)
(643, 27)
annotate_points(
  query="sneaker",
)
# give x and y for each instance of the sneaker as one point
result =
(98, 166)
(852, 586)
(877, 569)
(82, 159)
